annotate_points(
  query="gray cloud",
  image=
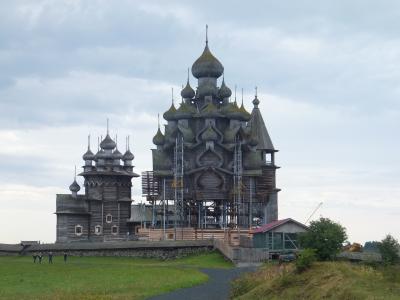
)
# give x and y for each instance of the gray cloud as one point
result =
(327, 74)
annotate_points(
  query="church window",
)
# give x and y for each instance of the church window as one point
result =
(109, 218)
(97, 229)
(268, 158)
(78, 230)
(114, 229)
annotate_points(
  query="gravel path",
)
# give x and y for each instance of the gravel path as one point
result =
(216, 288)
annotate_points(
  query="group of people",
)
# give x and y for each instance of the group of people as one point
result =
(39, 256)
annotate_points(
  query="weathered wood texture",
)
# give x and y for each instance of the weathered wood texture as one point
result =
(103, 210)
(223, 146)
(192, 234)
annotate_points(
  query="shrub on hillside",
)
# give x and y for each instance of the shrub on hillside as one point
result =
(305, 260)
(389, 249)
(325, 236)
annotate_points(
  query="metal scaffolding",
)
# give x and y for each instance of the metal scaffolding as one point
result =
(174, 205)
(237, 182)
(178, 182)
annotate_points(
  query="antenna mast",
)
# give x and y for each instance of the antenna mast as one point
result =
(314, 211)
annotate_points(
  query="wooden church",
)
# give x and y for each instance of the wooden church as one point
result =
(101, 212)
(214, 162)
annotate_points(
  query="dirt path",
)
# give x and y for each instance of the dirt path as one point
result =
(216, 288)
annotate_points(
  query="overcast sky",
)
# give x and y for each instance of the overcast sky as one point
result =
(327, 72)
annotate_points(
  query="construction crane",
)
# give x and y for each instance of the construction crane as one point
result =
(314, 211)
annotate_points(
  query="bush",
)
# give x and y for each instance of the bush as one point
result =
(389, 249)
(243, 285)
(325, 236)
(305, 260)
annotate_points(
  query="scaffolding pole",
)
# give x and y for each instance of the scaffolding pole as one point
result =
(237, 181)
(251, 182)
(164, 208)
(178, 183)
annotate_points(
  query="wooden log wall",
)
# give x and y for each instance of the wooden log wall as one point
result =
(191, 234)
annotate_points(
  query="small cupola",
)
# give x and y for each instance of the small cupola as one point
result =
(108, 144)
(128, 155)
(170, 114)
(88, 157)
(116, 155)
(74, 187)
(159, 138)
(224, 92)
(187, 92)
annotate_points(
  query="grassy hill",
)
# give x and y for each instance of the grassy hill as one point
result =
(325, 280)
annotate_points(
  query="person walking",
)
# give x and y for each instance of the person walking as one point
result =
(34, 257)
(50, 257)
(65, 257)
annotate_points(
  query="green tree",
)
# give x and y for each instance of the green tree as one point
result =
(325, 236)
(305, 260)
(389, 249)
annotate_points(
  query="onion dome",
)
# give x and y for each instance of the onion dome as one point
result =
(244, 113)
(74, 187)
(117, 154)
(170, 113)
(207, 65)
(128, 155)
(224, 91)
(256, 102)
(108, 143)
(185, 111)
(187, 92)
(209, 134)
(88, 155)
(207, 89)
(101, 154)
(159, 138)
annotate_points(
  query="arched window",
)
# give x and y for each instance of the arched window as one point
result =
(114, 230)
(109, 218)
(97, 229)
(78, 230)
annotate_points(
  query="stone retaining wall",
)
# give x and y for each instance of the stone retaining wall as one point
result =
(10, 249)
(162, 250)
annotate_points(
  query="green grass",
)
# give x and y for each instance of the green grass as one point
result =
(325, 280)
(102, 277)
